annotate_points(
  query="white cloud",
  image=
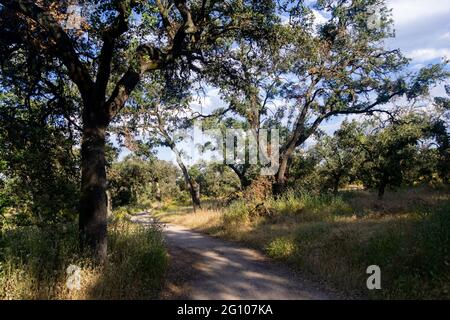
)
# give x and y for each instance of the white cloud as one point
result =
(422, 29)
(406, 12)
(422, 55)
(208, 102)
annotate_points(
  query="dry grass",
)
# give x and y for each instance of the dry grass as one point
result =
(337, 239)
(33, 264)
(400, 202)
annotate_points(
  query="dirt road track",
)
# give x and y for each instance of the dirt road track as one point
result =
(219, 269)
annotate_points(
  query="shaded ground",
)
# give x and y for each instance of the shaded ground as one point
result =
(203, 267)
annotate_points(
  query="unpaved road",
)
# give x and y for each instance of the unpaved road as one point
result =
(218, 269)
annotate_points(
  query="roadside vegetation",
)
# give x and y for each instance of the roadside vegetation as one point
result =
(335, 238)
(34, 264)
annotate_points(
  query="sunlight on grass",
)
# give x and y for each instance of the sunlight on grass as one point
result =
(33, 264)
(336, 238)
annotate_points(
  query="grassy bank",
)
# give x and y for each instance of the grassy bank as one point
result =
(335, 239)
(33, 264)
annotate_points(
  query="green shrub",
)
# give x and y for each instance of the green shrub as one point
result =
(281, 248)
(238, 212)
(310, 206)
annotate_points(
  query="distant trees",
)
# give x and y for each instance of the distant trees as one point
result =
(341, 67)
(439, 131)
(339, 156)
(133, 181)
(387, 154)
(159, 113)
(215, 180)
(378, 153)
(310, 72)
(128, 180)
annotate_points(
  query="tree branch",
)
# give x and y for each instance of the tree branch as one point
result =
(164, 12)
(110, 36)
(64, 48)
(147, 58)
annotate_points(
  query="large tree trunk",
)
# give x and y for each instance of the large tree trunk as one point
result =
(196, 197)
(244, 181)
(93, 206)
(280, 179)
(194, 188)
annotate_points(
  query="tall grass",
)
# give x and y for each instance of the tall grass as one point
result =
(413, 254)
(305, 206)
(335, 238)
(33, 264)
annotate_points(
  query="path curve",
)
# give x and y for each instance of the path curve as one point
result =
(228, 271)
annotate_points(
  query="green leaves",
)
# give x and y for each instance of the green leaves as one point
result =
(427, 77)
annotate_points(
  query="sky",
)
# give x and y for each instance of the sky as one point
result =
(422, 30)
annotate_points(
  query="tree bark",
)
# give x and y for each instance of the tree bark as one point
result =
(158, 194)
(280, 182)
(93, 204)
(382, 188)
(194, 188)
(244, 181)
(336, 182)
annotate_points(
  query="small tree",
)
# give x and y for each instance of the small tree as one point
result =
(338, 156)
(439, 131)
(387, 152)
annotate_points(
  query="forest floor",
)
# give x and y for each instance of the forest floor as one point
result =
(203, 267)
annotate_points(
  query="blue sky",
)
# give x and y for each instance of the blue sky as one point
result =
(422, 33)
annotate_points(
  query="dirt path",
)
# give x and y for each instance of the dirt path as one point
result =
(217, 269)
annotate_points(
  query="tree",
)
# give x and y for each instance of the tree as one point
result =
(387, 151)
(303, 172)
(248, 86)
(128, 180)
(340, 67)
(108, 56)
(38, 160)
(439, 131)
(245, 172)
(338, 156)
(158, 113)
(215, 179)
(170, 141)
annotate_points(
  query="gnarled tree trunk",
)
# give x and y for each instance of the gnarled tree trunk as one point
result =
(281, 177)
(94, 202)
(194, 188)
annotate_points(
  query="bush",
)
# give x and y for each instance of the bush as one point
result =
(418, 260)
(237, 213)
(281, 248)
(33, 263)
(309, 206)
